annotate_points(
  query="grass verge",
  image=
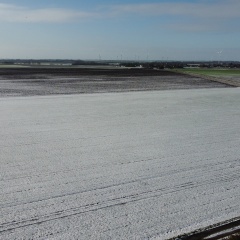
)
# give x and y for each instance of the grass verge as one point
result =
(211, 72)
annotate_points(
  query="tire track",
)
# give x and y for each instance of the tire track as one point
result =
(111, 203)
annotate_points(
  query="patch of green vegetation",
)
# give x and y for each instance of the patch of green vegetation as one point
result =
(211, 72)
(12, 66)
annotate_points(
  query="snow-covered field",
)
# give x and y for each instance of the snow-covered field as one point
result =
(131, 165)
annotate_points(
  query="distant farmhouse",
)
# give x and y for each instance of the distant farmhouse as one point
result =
(193, 65)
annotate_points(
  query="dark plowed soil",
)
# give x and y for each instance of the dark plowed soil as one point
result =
(46, 81)
(84, 71)
(216, 230)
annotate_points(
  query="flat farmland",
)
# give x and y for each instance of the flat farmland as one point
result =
(127, 165)
(224, 75)
(223, 72)
(51, 81)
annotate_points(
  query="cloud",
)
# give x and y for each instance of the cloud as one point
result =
(203, 9)
(204, 16)
(13, 13)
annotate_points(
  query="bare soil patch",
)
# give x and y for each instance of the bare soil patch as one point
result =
(47, 81)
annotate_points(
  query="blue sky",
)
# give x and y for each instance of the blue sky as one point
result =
(126, 29)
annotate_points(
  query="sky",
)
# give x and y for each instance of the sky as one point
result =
(126, 29)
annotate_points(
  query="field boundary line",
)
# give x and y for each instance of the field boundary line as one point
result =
(215, 229)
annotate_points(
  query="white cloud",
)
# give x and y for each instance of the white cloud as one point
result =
(202, 16)
(203, 9)
(13, 13)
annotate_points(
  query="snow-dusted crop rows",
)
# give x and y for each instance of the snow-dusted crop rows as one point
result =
(118, 165)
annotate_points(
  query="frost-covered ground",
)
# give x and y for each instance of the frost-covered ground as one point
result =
(118, 165)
